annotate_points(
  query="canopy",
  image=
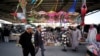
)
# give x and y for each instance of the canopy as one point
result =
(0, 25)
(93, 17)
(5, 22)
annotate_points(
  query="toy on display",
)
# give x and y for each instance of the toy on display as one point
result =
(42, 15)
(21, 15)
(33, 1)
(36, 4)
(62, 16)
(51, 15)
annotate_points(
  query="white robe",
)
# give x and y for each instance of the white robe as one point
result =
(76, 35)
(91, 37)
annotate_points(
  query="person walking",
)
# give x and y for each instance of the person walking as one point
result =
(25, 41)
(76, 36)
(38, 40)
(6, 34)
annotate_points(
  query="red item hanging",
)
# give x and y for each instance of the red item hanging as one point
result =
(14, 14)
(83, 12)
(24, 21)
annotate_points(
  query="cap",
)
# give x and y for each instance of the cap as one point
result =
(74, 25)
(27, 26)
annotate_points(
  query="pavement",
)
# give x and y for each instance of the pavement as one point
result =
(10, 49)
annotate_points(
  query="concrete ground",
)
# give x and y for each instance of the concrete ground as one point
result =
(10, 49)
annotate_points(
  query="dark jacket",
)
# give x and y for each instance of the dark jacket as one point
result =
(6, 32)
(38, 39)
(25, 40)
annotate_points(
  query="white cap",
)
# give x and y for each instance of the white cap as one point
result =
(27, 26)
(74, 25)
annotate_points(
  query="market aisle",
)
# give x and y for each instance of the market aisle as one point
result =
(10, 49)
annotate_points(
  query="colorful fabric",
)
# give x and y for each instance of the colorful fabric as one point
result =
(72, 8)
(33, 1)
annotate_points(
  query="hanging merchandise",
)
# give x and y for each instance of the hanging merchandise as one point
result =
(33, 13)
(42, 12)
(24, 21)
(83, 11)
(20, 16)
(33, 1)
(72, 8)
(31, 19)
(23, 4)
(15, 13)
(51, 15)
(54, 7)
(38, 2)
(42, 15)
(62, 16)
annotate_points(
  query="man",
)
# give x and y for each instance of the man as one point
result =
(91, 37)
(38, 40)
(25, 41)
(6, 34)
(76, 36)
(1, 35)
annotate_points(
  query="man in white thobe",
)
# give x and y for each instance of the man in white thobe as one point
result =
(91, 37)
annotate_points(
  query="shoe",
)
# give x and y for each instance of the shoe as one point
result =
(44, 49)
(64, 50)
(74, 50)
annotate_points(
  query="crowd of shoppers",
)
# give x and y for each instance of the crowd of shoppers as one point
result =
(74, 33)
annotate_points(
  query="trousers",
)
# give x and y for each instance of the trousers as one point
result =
(30, 50)
(42, 49)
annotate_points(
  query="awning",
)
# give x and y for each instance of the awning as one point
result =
(5, 22)
(93, 17)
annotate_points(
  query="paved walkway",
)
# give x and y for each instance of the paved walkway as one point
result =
(10, 49)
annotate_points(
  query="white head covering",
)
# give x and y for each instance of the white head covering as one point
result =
(27, 26)
(74, 25)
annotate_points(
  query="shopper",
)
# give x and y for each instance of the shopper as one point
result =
(39, 40)
(25, 41)
(76, 36)
(91, 37)
(1, 32)
(6, 34)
